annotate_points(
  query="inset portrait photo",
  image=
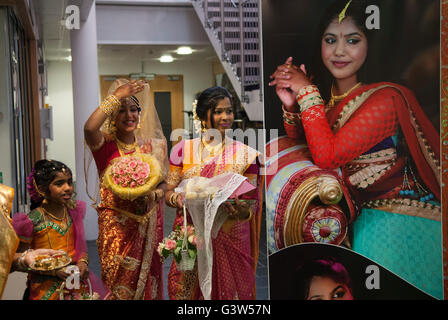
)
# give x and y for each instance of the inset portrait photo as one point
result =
(313, 271)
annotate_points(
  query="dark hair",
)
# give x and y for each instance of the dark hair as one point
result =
(320, 268)
(45, 172)
(356, 11)
(209, 99)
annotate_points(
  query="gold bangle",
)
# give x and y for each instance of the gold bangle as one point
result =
(308, 102)
(110, 105)
(21, 261)
(173, 199)
(306, 90)
(290, 115)
(84, 260)
(248, 218)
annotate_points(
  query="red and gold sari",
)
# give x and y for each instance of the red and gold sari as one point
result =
(128, 234)
(235, 249)
(376, 135)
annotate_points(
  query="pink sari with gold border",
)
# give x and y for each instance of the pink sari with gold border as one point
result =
(236, 247)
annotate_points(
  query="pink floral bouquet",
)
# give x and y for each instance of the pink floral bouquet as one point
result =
(130, 172)
(130, 177)
(174, 242)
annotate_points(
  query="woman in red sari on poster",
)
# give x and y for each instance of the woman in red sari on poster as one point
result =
(235, 248)
(379, 136)
(123, 130)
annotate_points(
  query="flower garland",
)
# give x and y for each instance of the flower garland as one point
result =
(196, 120)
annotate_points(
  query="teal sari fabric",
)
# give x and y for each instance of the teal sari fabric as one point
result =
(410, 247)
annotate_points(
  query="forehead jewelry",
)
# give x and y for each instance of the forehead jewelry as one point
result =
(342, 14)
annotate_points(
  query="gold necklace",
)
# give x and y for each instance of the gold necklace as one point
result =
(126, 146)
(58, 219)
(53, 216)
(342, 96)
(214, 150)
(219, 148)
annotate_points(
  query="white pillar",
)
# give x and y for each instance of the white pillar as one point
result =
(85, 101)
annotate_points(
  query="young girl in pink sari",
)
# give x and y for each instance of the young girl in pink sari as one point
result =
(235, 249)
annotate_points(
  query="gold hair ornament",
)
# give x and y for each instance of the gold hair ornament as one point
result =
(342, 14)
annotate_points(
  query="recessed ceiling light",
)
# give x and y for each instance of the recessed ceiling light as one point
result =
(184, 50)
(166, 58)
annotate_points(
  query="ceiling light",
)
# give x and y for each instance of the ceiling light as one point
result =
(184, 50)
(166, 58)
(69, 58)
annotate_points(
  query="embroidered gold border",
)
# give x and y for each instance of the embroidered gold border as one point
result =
(408, 207)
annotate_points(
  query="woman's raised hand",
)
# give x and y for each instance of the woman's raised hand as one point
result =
(288, 80)
(129, 89)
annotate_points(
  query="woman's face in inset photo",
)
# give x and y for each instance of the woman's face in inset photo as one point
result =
(325, 288)
(344, 49)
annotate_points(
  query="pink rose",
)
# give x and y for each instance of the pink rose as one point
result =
(133, 184)
(121, 172)
(142, 175)
(133, 164)
(192, 240)
(141, 181)
(170, 244)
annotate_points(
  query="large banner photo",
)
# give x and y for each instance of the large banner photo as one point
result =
(353, 90)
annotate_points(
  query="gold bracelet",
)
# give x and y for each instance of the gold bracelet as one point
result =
(110, 105)
(311, 100)
(173, 201)
(291, 118)
(306, 90)
(21, 261)
(84, 260)
(248, 218)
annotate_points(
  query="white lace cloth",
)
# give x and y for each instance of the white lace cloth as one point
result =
(207, 221)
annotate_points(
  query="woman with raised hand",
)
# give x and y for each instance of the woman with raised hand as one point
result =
(122, 134)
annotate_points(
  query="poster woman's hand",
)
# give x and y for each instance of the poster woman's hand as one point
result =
(286, 96)
(289, 78)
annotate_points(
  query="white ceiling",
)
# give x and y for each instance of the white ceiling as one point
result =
(56, 39)
(153, 52)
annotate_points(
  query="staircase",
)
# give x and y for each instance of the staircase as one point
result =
(233, 27)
